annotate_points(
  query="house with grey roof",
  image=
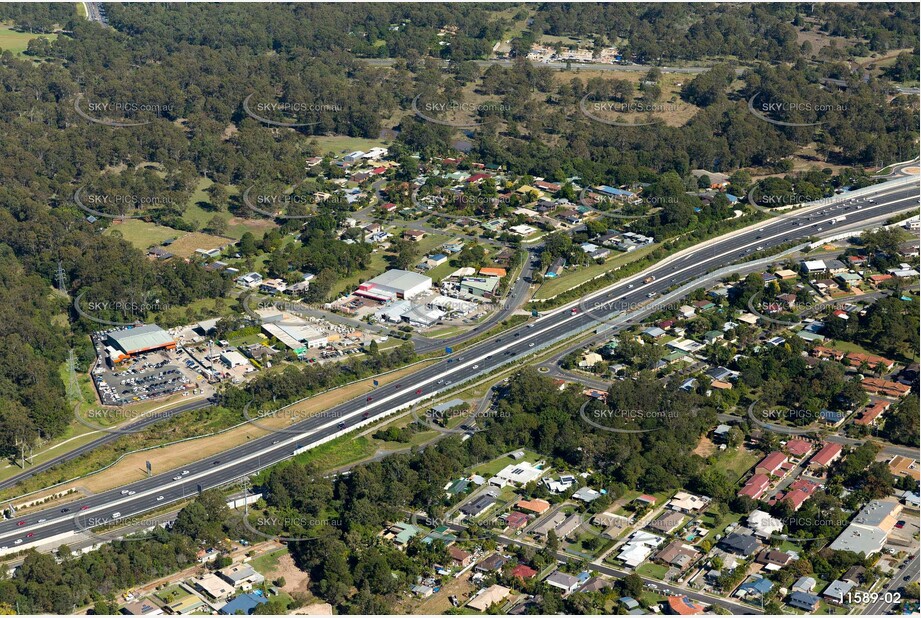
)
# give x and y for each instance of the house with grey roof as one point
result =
(837, 591)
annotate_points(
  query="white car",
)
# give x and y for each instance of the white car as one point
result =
(17, 541)
(531, 345)
(131, 493)
(159, 498)
(177, 478)
(185, 472)
(116, 514)
(476, 366)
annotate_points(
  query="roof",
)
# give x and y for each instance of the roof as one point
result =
(493, 594)
(760, 586)
(838, 589)
(804, 583)
(826, 455)
(667, 522)
(798, 447)
(400, 279)
(523, 571)
(743, 544)
(772, 462)
(535, 506)
(562, 580)
(803, 600)
(684, 606)
(244, 603)
(139, 338)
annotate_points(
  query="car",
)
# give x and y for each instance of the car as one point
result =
(365, 415)
(476, 366)
(517, 335)
(21, 523)
(398, 386)
(177, 478)
(159, 498)
(906, 578)
(116, 514)
(759, 248)
(531, 345)
(369, 398)
(900, 524)
(275, 441)
(441, 381)
(215, 462)
(84, 507)
(630, 287)
(124, 492)
(17, 541)
(573, 311)
(341, 424)
(131, 493)
(65, 510)
(185, 472)
(43, 520)
(418, 391)
(30, 535)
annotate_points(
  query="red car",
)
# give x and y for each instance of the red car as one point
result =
(368, 399)
(21, 523)
(365, 415)
(900, 524)
(418, 391)
(30, 535)
(84, 507)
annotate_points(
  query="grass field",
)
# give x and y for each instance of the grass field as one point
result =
(17, 42)
(142, 234)
(339, 144)
(571, 279)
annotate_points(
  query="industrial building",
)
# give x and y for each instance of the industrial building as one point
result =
(298, 337)
(395, 283)
(127, 342)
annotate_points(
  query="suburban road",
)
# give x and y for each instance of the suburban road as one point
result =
(484, 357)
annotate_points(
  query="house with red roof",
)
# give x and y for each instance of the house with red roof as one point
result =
(523, 572)
(755, 487)
(683, 606)
(798, 492)
(829, 452)
(856, 359)
(878, 386)
(872, 412)
(516, 520)
(477, 178)
(797, 447)
(772, 465)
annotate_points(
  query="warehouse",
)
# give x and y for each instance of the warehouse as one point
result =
(395, 283)
(127, 342)
(298, 337)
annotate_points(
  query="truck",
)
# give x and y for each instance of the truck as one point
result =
(649, 279)
(838, 219)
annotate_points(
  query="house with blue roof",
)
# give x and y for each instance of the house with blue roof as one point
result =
(803, 600)
(244, 605)
(757, 587)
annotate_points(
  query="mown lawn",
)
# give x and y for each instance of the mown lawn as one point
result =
(574, 278)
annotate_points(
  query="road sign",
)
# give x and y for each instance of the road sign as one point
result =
(149, 468)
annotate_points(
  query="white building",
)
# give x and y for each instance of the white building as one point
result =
(520, 473)
(395, 283)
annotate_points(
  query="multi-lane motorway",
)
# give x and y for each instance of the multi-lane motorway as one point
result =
(484, 357)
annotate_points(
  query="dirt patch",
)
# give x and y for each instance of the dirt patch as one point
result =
(438, 603)
(705, 447)
(252, 223)
(185, 246)
(314, 609)
(296, 580)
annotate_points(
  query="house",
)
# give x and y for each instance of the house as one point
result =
(721, 433)
(804, 584)
(756, 587)
(773, 559)
(516, 520)
(488, 597)
(242, 576)
(493, 562)
(685, 502)
(871, 412)
(785, 274)
(876, 363)
(772, 465)
(798, 447)
(638, 547)
(478, 506)
(459, 556)
(244, 604)
(740, 544)
(422, 591)
(666, 522)
(804, 601)
(812, 266)
(142, 607)
(829, 452)
(755, 487)
(401, 533)
(837, 591)
(798, 492)
(683, 606)
(523, 572)
(519, 473)
(595, 584)
(878, 386)
(413, 235)
(565, 582)
(213, 587)
(537, 505)
(763, 524)
(586, 494)
(677, 554)
(904, 466)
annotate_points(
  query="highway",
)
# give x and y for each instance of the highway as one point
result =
(481, 358)
(884, 604)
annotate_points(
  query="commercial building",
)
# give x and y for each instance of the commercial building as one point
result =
(395, 283)
(479, 287)
(869, 529)
(127, 342)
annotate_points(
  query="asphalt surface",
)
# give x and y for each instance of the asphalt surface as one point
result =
(481, 358)
(884, 604)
